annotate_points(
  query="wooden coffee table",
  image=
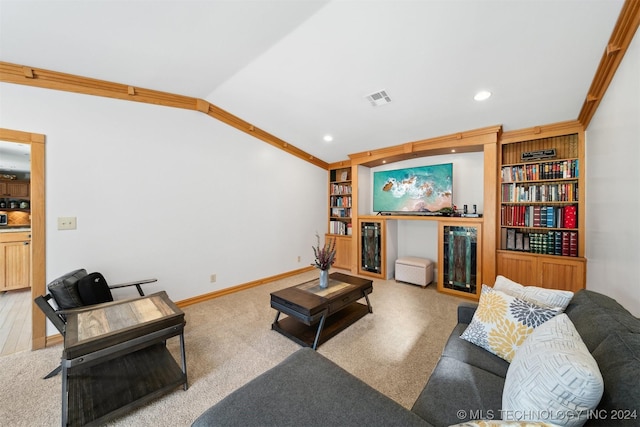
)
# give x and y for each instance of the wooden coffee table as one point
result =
(115, 357)
(333, 308)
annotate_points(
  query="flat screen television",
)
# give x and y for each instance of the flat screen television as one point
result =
(418, 190)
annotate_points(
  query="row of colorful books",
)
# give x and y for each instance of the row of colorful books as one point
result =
(339, 227)
(341, 201)
(557, 192)
(539, 216)
(545, 170)
(340, 189)
(341, 212)
(561, 243)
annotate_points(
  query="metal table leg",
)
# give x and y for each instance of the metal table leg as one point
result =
(320, 326)
(184, 361)
(65, 395)
(366, 296)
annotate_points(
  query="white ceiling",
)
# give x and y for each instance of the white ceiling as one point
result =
(300, 69)
(14, 158)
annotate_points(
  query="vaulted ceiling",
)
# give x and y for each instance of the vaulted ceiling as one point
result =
(302, 69)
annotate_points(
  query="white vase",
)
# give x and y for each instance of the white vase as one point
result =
(324, 278)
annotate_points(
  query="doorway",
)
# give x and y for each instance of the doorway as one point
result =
(38, 246)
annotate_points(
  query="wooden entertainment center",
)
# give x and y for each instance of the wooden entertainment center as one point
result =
(505, 239)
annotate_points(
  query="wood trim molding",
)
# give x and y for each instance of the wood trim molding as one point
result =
(46, 79)
(467, 141)
(226, 291)
(621, 37)
(545, 131)
(38, 224)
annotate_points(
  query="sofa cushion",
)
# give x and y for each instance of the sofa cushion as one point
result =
(502, 322)
(552, 378)
(618, 358)
(64, 289)
(467, 352)
(456, 392)
(501, 423)
(596, 316)
(550, 298)
(307, 389)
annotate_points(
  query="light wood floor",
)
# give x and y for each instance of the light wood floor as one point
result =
(15, 321)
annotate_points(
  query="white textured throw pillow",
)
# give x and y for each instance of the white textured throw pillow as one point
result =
(550, 298)
(553, 377)
(502, 322)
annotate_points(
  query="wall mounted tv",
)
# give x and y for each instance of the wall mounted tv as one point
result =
(417, 190)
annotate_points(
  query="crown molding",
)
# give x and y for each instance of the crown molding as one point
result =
(47, 79)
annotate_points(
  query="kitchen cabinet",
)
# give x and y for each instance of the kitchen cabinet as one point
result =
(15, 263)
(15, 188)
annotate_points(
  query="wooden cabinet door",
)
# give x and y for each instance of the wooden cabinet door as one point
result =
(14, 188)
(518, 267)
(343, 252)
(15, 270)
(544, 271)
(18, 189)
(568, 275)
(460, 258)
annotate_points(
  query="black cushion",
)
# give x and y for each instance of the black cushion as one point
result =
(307, 389)
(93, 289)
(64, 289)
(618, 358)
(596, 316)
(458, 392)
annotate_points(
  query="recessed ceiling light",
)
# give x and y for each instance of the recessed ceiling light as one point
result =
(482, 95)
(328, 138)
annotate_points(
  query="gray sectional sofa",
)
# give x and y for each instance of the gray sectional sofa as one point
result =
(307, 389)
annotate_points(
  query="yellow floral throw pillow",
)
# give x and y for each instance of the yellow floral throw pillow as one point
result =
(502, 322)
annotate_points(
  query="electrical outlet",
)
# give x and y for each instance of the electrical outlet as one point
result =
(298, 258)
(67, 223)
(213, 278)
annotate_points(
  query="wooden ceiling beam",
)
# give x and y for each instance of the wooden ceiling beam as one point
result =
(18, 74)
(621, 38)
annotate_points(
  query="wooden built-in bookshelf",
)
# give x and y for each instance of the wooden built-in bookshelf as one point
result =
(340, 212)
(541, 209)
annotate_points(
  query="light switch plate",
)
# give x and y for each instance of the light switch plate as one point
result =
(67, 223)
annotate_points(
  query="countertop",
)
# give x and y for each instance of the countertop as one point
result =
(14, 228)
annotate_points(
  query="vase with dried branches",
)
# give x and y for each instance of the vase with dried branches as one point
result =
(325, 256)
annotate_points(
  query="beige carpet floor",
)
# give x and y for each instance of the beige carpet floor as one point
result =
(229, 341)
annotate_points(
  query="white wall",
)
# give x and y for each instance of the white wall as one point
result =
(420, 237)
(167, 193)
(613, 187)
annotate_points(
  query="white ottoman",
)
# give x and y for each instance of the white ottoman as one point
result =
(418, 271)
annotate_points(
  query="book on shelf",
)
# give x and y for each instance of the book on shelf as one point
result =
(573, 243)
(339, 227)
(560, 243)
(340, 189)
(559, 169)
(570, 219)
(555, 192)
(511, 239)
(538, 216)
(551, 217)
(519, 241)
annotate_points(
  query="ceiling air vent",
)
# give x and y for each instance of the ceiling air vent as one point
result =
(379, 98)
